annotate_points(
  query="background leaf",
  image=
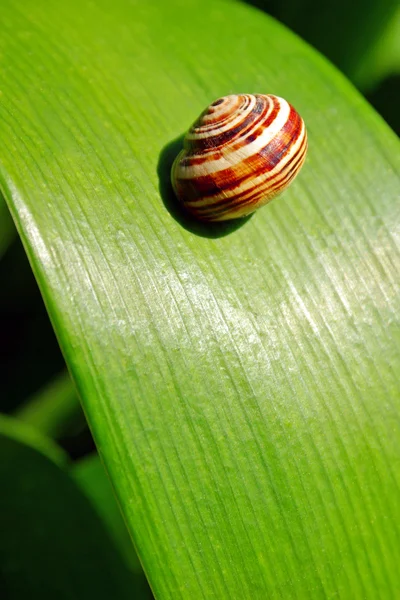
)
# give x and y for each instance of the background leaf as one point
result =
(383, 58)
(240, 381)
(53, 544)
(54, 410)
(347, 33)
(29, 353)
(91, 477)
(361, 38)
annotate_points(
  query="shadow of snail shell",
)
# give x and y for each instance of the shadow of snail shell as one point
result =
(241, 152)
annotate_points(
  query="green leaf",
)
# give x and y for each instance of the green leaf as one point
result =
(55, 409)
(25, 434)
(383, 58)
(52, 543)
(28, 346)
(350, 34)
(240, 380)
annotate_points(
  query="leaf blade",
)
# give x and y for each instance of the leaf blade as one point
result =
(234, 385)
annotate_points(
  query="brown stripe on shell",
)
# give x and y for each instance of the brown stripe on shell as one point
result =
(221, 141)
(267, 189)
(271, 186)
(266, 192)
(210, 118)
(233, 205)
(228, 192)
(251, 167)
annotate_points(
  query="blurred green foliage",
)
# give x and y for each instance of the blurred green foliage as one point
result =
(53, 543)
(361, 37)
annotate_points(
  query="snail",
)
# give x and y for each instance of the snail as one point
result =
(241, 152)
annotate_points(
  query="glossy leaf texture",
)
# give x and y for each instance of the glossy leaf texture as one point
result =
(240, 380)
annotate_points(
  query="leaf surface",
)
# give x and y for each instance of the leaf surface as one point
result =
(241, 381)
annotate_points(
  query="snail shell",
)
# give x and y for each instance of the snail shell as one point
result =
(241, 152)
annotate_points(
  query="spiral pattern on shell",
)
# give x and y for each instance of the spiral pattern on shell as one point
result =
(241, 152)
